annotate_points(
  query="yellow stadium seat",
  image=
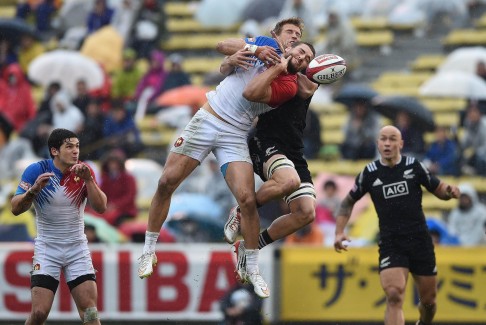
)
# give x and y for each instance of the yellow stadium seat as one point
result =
(427, 62)
(403, 78)
(196, 42)
(178, 9)
(375, 23)
(438, 105)
(202, 64)
(190, 25)
(374, 38)
(465, 37)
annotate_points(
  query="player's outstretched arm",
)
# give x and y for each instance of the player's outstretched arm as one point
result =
(344, 213)
(307, 88)
(446, 192)
(242, 58)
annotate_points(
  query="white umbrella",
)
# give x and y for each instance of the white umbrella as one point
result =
(66, 67)
(455, 84)
(464, 59)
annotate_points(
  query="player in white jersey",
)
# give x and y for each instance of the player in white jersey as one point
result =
(59, 188)
(221, 127)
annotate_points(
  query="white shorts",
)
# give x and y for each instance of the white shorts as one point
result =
(206, 133)
(52, 257)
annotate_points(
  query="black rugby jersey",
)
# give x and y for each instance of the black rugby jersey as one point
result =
(396, 193)
(285, 124)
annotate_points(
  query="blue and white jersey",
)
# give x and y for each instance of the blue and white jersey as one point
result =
(228, 101)
(59, 207)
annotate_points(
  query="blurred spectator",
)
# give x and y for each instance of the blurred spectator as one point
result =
(154, 79)
(120, 188)
(91, 134)
(100, 16)
(413, 137)
(340, 39)
(473, 142)
(90, 232)
(467, 220)
(360, 132)
(310, 234)
(103, 93)
(43, 11)
(16, 100)
(481, 70)
(241, 306)
(331, 199)
(7, 54)
(65, 114)
(176, 76)
(37, 130)
(29, 49)
(149, 28)
(26, 219)
(442, 156)
(125, 81)
(11, 150)
(299, 8)
(124, 16)
(120, 130)
(439, 233)
(82, 98)
(312, 135)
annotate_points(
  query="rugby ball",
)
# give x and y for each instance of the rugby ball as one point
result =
(326, 68)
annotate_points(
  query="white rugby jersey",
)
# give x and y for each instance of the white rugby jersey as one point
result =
(228, 101)
(59, 207)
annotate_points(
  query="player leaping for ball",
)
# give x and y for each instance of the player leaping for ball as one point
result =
(277, 153)
(221, 126)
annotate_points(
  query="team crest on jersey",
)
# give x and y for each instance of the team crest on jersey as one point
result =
(395, 189)
(179, 142)
(36, 267)
(76, 179)
(408, 174)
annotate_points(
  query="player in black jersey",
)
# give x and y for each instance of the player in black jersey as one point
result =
(276, 150)
(394, 184)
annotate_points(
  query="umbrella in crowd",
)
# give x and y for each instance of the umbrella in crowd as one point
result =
(190, 95)
(390, 106)
(105, 232)
(454, 84)
(104, 46)
(354, 92)
(73, 13)
(11, 29)
(66, 67)
(464, 59)
(194, 227)
(195, 204)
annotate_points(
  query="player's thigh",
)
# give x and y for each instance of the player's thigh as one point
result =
(426, 287)
(394, 280)
(281, 169)
(240, 179)
(177, 167)
(42, 299)
(85, 294)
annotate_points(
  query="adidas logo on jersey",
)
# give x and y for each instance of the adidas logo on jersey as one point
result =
(377, 182)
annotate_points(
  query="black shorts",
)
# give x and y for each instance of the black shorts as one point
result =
(414, 252)
(263, 149)
(48, 282)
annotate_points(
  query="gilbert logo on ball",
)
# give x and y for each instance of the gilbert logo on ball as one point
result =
(326, 68)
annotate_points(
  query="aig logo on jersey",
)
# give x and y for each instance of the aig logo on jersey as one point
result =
(395, 189)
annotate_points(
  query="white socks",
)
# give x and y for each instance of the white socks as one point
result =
(150, 241)
(252, 260)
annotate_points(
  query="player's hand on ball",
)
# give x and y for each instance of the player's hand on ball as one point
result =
(339, 243)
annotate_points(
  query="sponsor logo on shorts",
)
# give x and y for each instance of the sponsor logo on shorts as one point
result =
(385, 262)
(395, 189)
(270, 151)
(179, 142)
(36, 267)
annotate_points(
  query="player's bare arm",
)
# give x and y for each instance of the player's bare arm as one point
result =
(307, 88)
(446, 192)
(344, 213)
(242, 58)
(23, 202)
(266, 54)
(259, 89)
(96, 198)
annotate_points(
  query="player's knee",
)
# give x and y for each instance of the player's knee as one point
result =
(38, 316)
(305, 215)
(166, 185)
(246, 199)
(394, 296)
(90, 314)
(289, 186)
